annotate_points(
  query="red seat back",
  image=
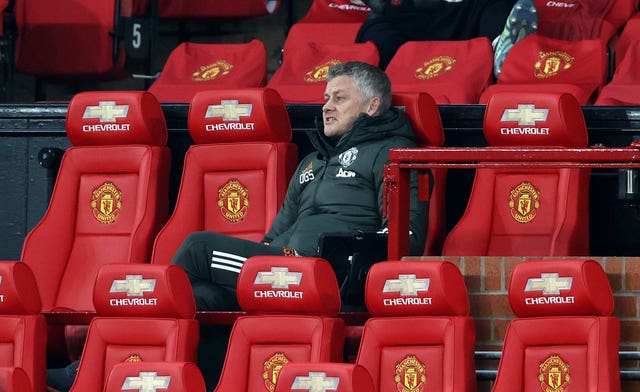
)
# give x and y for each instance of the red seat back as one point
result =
(453, 72)
(420, 335)
(193, 67)
(527, 211)
(69, 39)
(291, 302)
(235, 176)
(543, 64)
(23, 330)
(154, 305)
(563, 336)
(339, 377)
(309, 50)
(425, 120)
(345, 11)
(164, 376)
(110, 197)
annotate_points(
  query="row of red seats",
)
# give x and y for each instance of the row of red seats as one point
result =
(71, 41)
(419, 336)
(453, 72)
(110, 201)
(112, 187)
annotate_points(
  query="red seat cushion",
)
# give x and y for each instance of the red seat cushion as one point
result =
(543, 64)
(309, 50)
(193, 67)
(453, 72)
(302, 77)
(166, 376)
(340, 377)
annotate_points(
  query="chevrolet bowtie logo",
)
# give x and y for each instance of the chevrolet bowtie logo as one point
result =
(106, 111)
(279, 278)
(406, 285)
(549, 284)
(146, 382)
(133, 285)
(229, 110)
(316, 382)
(525, 114)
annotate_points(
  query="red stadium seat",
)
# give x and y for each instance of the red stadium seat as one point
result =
(453, 72)
(69, 39)
(425, 120)
(193, 67)
(563, 337)
(309, 50)
(145, 313)
(109, 202)
(291, 304)
(198, 9)
(236, 175)
(164, 376)
(527, 211)
(110, 197)
(336, 11)
(23, 330)
(420, 336)
(542, 64)
(339, 377)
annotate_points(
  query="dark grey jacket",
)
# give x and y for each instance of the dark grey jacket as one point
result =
(339, 188)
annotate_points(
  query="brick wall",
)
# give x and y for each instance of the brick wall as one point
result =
(487, 279)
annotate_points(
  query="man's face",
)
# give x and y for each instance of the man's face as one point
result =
(344, 103)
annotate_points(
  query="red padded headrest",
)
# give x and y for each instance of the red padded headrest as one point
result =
(114, 118)
(239, 115)
(163, 376)
(18, 289)
(424, 116)
(534, 119)
(560, 288)
(286, 284)
(416, 288)
(143, 290)
(324, 376)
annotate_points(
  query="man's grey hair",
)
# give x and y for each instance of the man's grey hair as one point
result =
(369, 79)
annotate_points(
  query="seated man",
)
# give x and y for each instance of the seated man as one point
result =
(336, 188)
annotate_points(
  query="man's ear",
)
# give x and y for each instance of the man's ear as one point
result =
(373, 108)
